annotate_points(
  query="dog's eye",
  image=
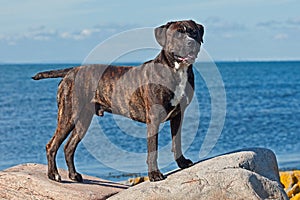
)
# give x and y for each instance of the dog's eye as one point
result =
(179, 33)
(181, 30)
(193, 33)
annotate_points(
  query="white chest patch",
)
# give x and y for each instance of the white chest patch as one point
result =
(179, 90)
(177, 65)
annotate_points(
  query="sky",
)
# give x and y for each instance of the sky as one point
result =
(67, 31)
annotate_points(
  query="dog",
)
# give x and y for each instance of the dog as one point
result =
(157, 91)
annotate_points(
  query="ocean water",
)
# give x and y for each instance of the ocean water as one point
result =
(262, 110)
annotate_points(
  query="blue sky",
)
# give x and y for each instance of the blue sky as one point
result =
(66, 31)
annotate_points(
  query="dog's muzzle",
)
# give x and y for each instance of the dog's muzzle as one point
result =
(188, 53)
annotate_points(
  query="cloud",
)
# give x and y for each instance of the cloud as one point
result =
(218, 24)
(228, 35)
(281, 36)
(79, 35)
(37, 33)
(291, 23)
(42, 33)
(269, 24)
(98, 30)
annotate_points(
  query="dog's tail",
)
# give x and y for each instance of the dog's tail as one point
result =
(52, 74)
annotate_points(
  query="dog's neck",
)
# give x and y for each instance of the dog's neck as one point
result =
(166, 58)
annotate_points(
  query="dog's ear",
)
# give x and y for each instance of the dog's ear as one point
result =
(201, 32)
(161, 34)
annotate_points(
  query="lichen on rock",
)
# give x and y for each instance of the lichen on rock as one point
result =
(291, 182)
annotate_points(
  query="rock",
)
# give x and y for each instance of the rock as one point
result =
(29, 181)
(291, 182)
(250, 174)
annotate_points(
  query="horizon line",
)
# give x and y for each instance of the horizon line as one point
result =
(105, 62)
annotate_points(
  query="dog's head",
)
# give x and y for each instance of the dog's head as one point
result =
(181, 39)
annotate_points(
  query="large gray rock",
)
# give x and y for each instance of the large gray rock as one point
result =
(247, 174)
(29, 181)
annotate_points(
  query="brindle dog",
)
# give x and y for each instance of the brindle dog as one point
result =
(159, 90)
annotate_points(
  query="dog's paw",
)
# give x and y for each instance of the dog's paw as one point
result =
(76, 177)
(183, 163)
(54, 176)
(155, 176)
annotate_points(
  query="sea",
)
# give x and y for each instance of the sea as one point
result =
(237, 105)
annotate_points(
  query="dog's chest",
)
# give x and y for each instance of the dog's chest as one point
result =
(179, 92)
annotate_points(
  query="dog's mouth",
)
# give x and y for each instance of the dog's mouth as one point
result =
(189, 58)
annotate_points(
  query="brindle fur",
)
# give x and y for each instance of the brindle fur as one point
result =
(95, 89)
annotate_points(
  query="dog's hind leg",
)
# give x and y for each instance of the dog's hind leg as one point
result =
(78, 133)
(61, 133)
(65, 124)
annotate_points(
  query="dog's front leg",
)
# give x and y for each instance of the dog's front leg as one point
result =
(152, 142)
(176, 124)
